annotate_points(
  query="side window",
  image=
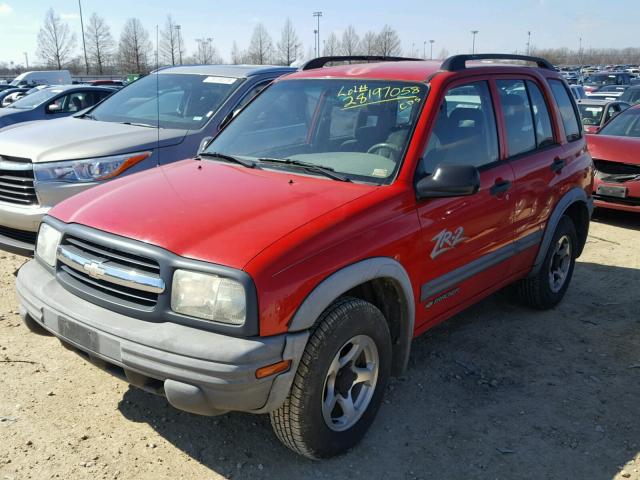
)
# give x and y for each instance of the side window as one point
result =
(57, 105)
(252, 93)
(569, 115)
(518, 119)
(465, 131)
(74, 102)
(541, 117)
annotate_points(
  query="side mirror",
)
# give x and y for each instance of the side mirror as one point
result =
(203, 144)
(449, 181)
(53, 108)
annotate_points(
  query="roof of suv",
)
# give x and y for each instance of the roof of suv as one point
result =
(238, 71)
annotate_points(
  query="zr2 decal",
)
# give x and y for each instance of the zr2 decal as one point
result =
(446, 240)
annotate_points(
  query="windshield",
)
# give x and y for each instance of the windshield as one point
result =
(34, 99)
(359, 128)
(627, 124)
(591, 114)
(602, 79)
(187, 101)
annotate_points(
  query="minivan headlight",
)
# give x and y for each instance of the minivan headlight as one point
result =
(47, 244)
(87, 170)
(209, 297)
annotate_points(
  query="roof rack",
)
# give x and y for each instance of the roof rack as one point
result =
(322, 61)
(458, 62)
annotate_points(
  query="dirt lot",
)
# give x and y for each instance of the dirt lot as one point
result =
(498, 392)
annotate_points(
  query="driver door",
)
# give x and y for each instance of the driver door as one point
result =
(469, 239)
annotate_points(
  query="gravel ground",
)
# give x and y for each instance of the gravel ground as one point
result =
(498, 392)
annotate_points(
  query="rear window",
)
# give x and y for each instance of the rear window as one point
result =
(569, 115)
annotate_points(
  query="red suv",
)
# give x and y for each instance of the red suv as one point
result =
(343, 212)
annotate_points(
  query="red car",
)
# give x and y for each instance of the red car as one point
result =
(343, 212)
(616, 155)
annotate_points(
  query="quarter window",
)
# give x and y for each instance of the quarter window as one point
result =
(465, 131)
(569, 115)
(541, 117)
(518, 119)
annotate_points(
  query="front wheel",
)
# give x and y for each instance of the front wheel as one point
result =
(340, 382)
(547, 288)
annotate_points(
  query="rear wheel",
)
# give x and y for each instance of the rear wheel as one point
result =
(340, 382)
(547, 288)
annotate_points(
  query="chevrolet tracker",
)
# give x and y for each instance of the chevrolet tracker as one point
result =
(346, 210)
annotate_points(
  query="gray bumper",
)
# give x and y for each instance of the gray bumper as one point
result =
(198, 371)
(20, 219)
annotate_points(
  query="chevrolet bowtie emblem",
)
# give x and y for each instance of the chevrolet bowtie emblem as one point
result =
(94, 269)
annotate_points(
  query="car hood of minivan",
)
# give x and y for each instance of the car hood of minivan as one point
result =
(207, 210)
(73, 138)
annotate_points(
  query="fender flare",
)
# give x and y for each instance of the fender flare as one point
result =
(574, 195)
(351, 276)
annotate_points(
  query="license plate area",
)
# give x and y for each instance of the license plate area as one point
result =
(607, 191)
(78, 334)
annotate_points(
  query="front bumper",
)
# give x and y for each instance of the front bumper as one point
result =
(16, 225)
(631, 203)
(198, 371)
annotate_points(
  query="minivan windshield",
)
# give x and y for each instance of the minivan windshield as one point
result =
(186, 101)
(357, 127)
(601, 79)
(34, 99)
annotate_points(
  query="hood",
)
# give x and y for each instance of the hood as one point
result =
(9, 116)
(210, 211)
(72, 138)
(614, 149)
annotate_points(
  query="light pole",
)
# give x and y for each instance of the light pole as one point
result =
(178, 27)
(26, 60)
(431, 54)
(317, 31)
(528, 43)
(84, 46)
(315, 42)
(473, 44)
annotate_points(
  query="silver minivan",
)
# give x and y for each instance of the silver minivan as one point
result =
(163, 117)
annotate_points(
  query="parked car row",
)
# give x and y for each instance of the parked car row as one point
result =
(270, 240)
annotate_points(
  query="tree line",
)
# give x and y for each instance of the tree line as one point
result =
(135, 52)
(135, 49)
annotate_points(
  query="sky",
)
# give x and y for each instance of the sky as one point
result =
(502, 24)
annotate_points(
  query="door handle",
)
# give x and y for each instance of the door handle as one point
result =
(558, 164)
(500, 187)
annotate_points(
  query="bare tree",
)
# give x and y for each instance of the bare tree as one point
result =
(237, 56)
(207, 53)
(171, 43)
(99, 43)
(331, 45)
(350, 44)
(261, 46)
(444, 53)
(134, 47)
(388, 43)
(288, 47)
(55, 41)
(369, 43)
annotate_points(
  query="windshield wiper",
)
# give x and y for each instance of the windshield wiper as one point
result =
(136, 124)
(311, 167)
(87, 115)
(229, 158)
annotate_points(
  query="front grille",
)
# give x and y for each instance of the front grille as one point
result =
(19, 235)
(616, 172)
(88, 267)
(16, 181)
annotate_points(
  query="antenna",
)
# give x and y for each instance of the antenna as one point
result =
(158, 94)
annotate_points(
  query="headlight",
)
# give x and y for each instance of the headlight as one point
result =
(208, 296)
(88, 170)
(47, 245)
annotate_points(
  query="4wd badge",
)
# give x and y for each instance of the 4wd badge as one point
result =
(446, 240)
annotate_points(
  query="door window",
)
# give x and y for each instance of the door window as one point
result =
(541, 117)
(465, 130)
(518, 116)
(570, 118)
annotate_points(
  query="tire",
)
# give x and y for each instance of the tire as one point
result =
(540, 291)
(34, 326)
(302, 422)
